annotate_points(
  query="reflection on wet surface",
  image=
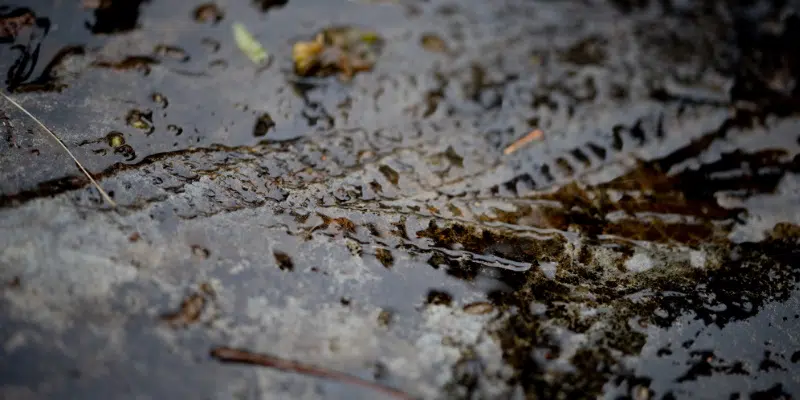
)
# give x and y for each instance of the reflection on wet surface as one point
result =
(354, 194)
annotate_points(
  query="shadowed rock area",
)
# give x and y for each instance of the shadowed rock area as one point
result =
(358, 210)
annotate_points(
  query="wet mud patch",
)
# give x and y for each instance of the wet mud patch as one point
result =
(611, 315)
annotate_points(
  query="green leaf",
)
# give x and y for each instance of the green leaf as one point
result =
(370, 37)
(248, 44)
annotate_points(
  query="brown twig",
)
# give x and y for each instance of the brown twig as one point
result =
(533, 135)
(230, 355)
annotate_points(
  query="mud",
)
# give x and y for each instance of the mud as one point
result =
(370, 223)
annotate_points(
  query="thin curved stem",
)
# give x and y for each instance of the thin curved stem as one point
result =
(103, 193)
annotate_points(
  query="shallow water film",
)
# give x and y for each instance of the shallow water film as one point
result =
(400, 199)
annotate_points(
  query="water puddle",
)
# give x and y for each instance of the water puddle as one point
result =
(374, 141)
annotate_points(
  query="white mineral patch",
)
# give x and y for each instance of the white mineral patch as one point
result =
(639, 262)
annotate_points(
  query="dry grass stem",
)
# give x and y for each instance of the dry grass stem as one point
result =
(103, 193)
(535, 134)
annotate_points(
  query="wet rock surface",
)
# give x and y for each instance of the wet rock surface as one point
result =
(367, 220)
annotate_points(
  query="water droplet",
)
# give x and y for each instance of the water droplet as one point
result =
(390, 174)
(160, 99)
(172, 52)
(433, 43)
(200, 252)
(354, 247)
(212, 44)
(641, 392)
(265, 5)
(115, 139)
(263, 124)
(284, 261)
(385, 257)
(218, 65)
(385, 318)
(189, 312)
(142, 120)
(126, 151)
(174, 129)
(138, 63)
(437, 297)
(208, 12)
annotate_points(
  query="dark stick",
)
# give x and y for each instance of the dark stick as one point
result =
(229, 355)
